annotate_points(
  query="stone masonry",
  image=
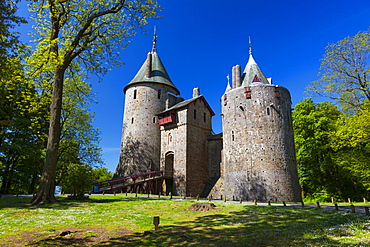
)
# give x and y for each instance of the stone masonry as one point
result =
(254, 157)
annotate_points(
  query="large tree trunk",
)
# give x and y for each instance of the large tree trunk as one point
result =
(45, 193)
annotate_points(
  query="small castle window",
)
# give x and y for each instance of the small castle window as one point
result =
(268, 111)
(204, 117)
(153, 119)
(132, 120)
(159, 93)
(135, 92)
(232, 136)
(195, 114)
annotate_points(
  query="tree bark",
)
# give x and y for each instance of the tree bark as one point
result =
(45, 193)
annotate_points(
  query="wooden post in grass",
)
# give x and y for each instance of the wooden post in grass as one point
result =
(198, 197)
(349, 200)
(284, 204)
(336, 206)
(365, 200)
(353, 208)
(269, 203)
(225, 199)
(170, 195)
(159, 195)
(114, 193)
(302, 203)
(156, 222)
(318, 204)
(255, 202)
(367, 211)
(241, 201)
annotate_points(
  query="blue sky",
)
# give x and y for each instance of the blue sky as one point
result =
(199, 42)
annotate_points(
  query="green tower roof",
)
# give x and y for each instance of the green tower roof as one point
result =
(153, 71)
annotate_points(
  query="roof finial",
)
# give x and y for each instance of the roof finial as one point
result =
(154, 46)
(250, 46)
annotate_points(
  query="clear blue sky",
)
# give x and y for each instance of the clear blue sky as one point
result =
(199, 42)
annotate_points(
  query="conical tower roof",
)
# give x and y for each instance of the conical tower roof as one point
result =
(252, 73)
(152, 71)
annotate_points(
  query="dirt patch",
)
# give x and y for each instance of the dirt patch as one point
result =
(203, 207)
(64, 237)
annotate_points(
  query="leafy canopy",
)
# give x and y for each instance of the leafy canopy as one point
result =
(345, 72)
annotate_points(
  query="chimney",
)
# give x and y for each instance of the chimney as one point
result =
(233, 78)
(148, 65)
(238, 81)
(196, 92)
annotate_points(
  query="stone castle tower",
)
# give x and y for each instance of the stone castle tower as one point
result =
(254, 157)
(146, 95)
(258, 143)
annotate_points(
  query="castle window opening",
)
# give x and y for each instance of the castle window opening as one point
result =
(268, 111)
(232, 136)
(132, 120)
(247, 92)
(195, 114)
(153, 119)
(159, 93)
(204, 117)
(135, 92)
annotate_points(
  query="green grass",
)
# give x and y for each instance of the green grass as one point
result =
(120, 221)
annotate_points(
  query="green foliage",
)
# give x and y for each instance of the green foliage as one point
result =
(77, 179)
(332, 151)
(8, 21)
(101, 174)
(23, 125)
(345, 72)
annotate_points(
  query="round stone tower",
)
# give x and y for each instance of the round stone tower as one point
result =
(259, 156)
(145, 96)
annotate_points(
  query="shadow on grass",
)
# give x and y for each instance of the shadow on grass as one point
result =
(63, 202)
(253, 226)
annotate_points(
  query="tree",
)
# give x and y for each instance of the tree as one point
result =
(84, 32)
(8, 20)
(345, 72)
(313, 125)
(23, 117)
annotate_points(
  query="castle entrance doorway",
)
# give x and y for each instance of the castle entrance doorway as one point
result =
(168, 172)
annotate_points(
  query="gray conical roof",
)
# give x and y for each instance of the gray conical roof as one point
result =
(253, 74)
(158, 73)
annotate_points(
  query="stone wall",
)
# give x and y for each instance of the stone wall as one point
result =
(140, 143)
(259, 155)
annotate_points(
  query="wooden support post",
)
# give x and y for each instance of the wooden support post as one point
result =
(241, 201)
(302, 203)
(365, 200)
(221, 197)
(225, 199)
(336, 206)
(159, 195)
(171, 195)
(103, 193)
(156, 222)
(349, 200)
(367, 211)
(148, 195)
(269, 203)
(126, 193)
(353, 208)
(284, 204)
(255, 202)
(198, 197)
(318, 204)
(114, 193)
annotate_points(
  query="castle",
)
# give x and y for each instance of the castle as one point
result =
(252, 159)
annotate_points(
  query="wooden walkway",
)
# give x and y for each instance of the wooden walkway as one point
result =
(145, 183)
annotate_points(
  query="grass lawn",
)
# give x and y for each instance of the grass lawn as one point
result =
(128, 221)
